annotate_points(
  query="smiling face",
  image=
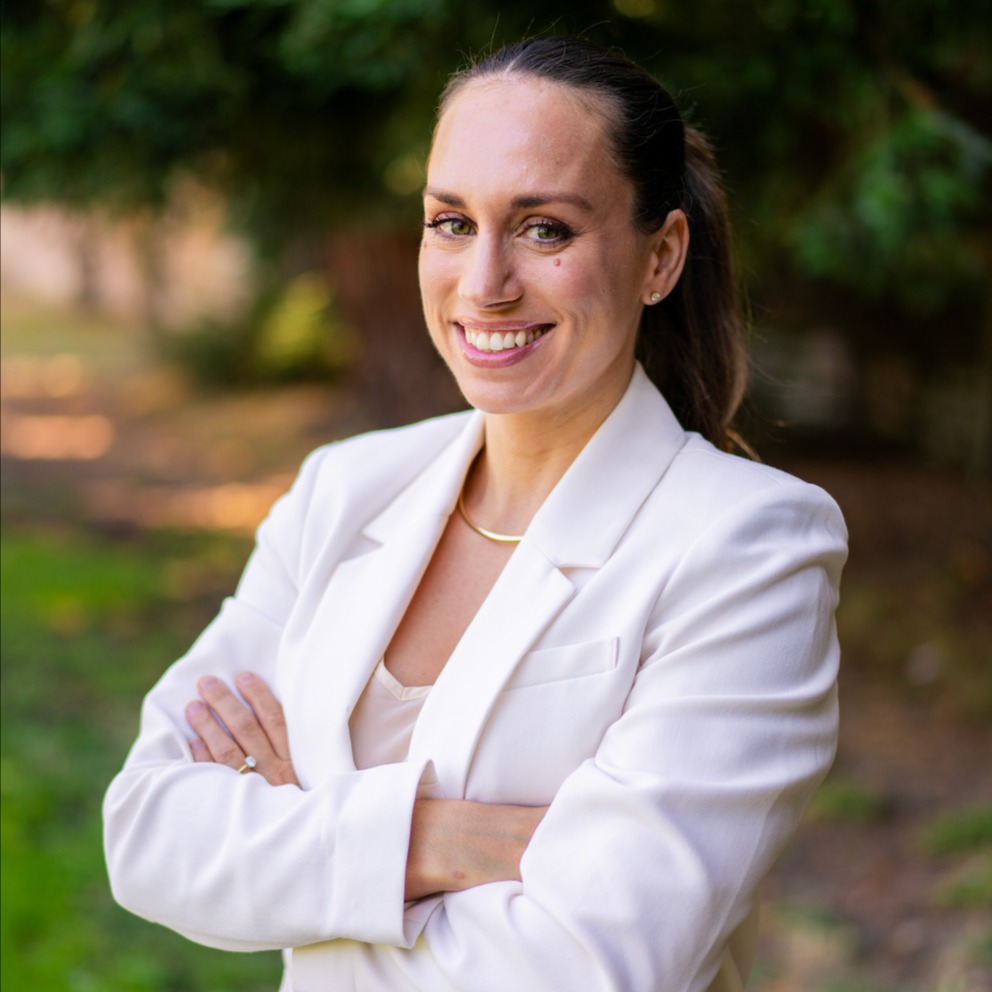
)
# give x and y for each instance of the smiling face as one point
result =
(532, 275)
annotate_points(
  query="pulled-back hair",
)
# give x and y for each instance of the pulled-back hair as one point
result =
(691, 344)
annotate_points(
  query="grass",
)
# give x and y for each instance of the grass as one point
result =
(840, 799)
(963, 837)
(85, 628)
(959, 831)
(968, 886)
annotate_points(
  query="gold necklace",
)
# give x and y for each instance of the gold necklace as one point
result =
(490, 534)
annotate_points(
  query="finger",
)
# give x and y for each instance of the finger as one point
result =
(268, 710)
(199, 750)
(241, 722)
(217, 741)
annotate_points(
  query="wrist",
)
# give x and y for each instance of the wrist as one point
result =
(432, 859)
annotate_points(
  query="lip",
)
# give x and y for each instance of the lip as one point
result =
(500, 359)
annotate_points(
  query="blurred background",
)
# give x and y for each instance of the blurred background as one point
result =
(208, 226)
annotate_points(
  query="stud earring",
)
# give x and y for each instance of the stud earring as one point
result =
(655, 297)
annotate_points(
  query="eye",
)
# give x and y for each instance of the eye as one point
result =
(548, 232)
(450, 227)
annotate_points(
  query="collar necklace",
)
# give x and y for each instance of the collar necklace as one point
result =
(489, 534)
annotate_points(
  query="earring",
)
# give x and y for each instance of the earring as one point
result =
(655, 298)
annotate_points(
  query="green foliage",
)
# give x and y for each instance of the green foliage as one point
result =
(843, 800)
(295, 108)
(892, 214)
(82, 638)
(854, 135)
(292, 333)
(102, 101)
(965, 836)
(969, 886)
(851, 984)
(302, 333)
(855, 138)
(959, 831)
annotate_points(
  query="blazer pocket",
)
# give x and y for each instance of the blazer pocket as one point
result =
(572, 661)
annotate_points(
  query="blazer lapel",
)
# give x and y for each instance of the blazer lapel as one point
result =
(361, 606)
(578, 526)
(587, 513)
(527, 596)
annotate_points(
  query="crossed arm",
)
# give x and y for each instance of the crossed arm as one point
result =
(454, 844)
(729, 724)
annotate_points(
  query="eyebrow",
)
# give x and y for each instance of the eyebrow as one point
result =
(525, 202)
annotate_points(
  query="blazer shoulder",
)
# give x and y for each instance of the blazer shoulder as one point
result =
(356, 478)
(711, 484)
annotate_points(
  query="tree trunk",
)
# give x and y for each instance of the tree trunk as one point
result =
(86, 245)
(399, 376)
(149, 243)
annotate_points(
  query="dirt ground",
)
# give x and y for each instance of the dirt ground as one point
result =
(861, 901)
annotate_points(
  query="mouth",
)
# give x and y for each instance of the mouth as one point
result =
(503, 338)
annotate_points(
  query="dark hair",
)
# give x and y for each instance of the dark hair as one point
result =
(692, 343)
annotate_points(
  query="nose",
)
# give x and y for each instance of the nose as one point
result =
(489, 278)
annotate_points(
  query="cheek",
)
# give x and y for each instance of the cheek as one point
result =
(435, 272)
(575, 283)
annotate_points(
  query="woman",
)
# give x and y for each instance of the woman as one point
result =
(558, 674)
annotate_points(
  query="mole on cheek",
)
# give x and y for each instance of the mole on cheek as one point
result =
(556, 261)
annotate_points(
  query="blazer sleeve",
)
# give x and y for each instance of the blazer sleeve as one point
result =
(226, 859)
(650, 854)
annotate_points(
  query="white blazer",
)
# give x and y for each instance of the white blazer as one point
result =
(657, 661)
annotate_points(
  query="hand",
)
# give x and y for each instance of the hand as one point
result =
(258, 730)
(456, 844)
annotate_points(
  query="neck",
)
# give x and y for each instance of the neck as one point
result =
(526, 453)
(518, 467)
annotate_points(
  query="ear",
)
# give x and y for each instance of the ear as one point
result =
(669, 247)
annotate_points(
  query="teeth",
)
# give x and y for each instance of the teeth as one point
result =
(496, 341)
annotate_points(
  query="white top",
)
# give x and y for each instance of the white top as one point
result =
(383, 719)
(382, 725)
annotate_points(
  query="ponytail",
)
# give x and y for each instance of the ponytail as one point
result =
(692, 343)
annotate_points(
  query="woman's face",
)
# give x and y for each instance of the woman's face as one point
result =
(532, 274)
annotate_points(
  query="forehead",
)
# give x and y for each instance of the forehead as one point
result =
(517, 133)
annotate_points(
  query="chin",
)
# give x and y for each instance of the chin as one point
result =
(493, 397)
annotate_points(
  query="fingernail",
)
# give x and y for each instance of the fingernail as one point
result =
(197, 745)
(208, 682)
(245, 678)
(195, 708)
